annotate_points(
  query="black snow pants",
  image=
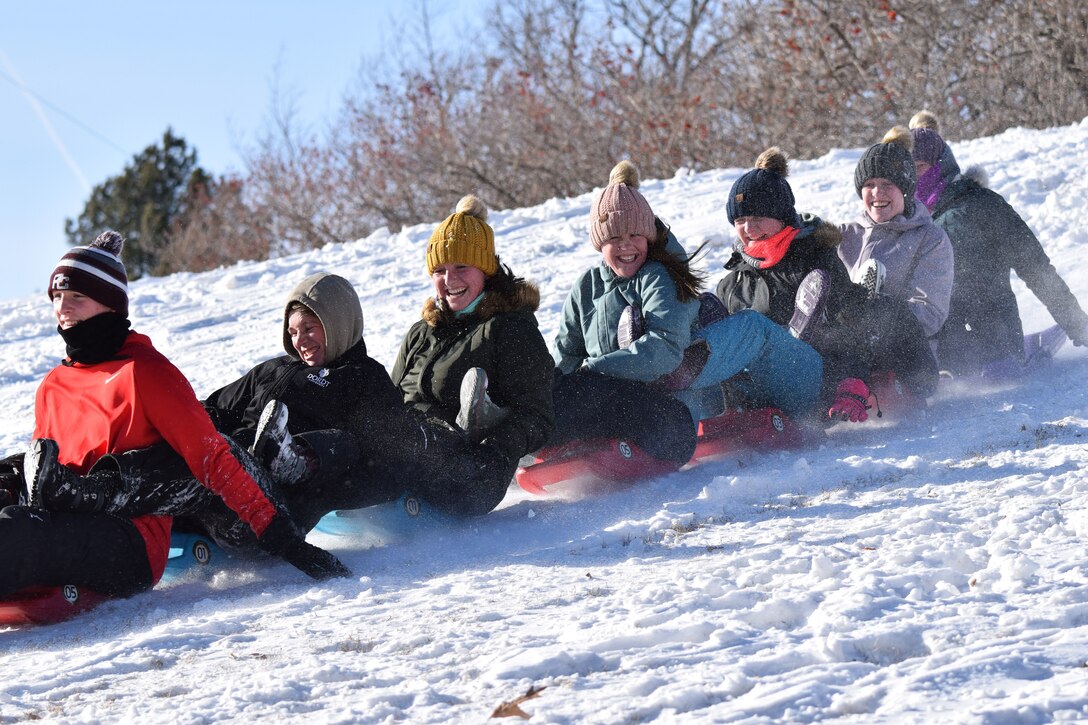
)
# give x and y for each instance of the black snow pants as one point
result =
(875, 336)
(103, 552)
(590, 405)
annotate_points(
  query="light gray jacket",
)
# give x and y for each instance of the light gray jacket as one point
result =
(918, 258)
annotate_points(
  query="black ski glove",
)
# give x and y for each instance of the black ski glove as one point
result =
(12, 486)
(284, 539)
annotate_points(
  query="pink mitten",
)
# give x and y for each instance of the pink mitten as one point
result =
(851, 401)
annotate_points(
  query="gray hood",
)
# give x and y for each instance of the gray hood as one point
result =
(336, 304)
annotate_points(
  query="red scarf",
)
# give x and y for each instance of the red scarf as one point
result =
(769, 252)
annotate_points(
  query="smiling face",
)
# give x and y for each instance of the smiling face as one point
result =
(72, 308)
(883, 200)
(756, 228)
(625, 254)
(307, 337)
(458, 284)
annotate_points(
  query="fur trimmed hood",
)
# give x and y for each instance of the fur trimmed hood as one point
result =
(525, 296)
(978, 175)
(822, 234)
(813, 232)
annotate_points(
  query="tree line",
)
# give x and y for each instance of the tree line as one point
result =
(561, 89)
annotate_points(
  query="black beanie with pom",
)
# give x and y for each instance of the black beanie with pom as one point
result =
(891, 159)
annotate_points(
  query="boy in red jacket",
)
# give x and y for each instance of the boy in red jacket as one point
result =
(116, 393)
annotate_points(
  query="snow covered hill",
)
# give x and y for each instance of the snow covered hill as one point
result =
(927, 571)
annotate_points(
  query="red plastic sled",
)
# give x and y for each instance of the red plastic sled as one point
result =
(600, 459)
(761, 429)
(46, 605)
(606, 459)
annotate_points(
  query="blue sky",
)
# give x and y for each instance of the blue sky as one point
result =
(110, 76)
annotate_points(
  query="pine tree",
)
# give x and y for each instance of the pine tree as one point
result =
(142, 202)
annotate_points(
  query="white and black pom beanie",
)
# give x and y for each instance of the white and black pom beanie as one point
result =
(95, 270)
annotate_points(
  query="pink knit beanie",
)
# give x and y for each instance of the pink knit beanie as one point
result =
(620, 208)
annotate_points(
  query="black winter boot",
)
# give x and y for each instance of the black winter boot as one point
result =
(56, 487)
(287, 460)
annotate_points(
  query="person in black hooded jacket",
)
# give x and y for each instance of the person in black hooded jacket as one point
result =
(343, 411)
(983, 332)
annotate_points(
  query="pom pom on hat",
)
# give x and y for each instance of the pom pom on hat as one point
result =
(764, 191)
(890, 159)
(95, 270)
(464, 237)
(924, 119)
(625, 173)
(620, 208)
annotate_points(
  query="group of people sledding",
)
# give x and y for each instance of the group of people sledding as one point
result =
(123, 451)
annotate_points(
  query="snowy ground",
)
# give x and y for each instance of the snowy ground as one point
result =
(920, 572)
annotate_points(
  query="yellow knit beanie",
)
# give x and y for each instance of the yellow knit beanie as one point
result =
(464, 237)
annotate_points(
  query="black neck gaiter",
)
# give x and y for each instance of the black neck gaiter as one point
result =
(97, 339)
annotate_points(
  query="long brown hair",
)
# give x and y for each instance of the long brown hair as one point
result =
(688, 283)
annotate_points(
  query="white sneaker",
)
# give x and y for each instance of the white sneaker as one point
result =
(477, 414)
(871, 276)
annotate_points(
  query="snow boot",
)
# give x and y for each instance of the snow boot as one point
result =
(273, 447)
(477, 414)
(55, 487)
(630, 327)
(809, 304)
(153, 480)
(871, 276)
(332, 484)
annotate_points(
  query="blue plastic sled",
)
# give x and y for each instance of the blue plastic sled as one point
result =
(385, 523)
(192, 551)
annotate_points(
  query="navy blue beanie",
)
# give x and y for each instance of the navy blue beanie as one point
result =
(762, 192)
